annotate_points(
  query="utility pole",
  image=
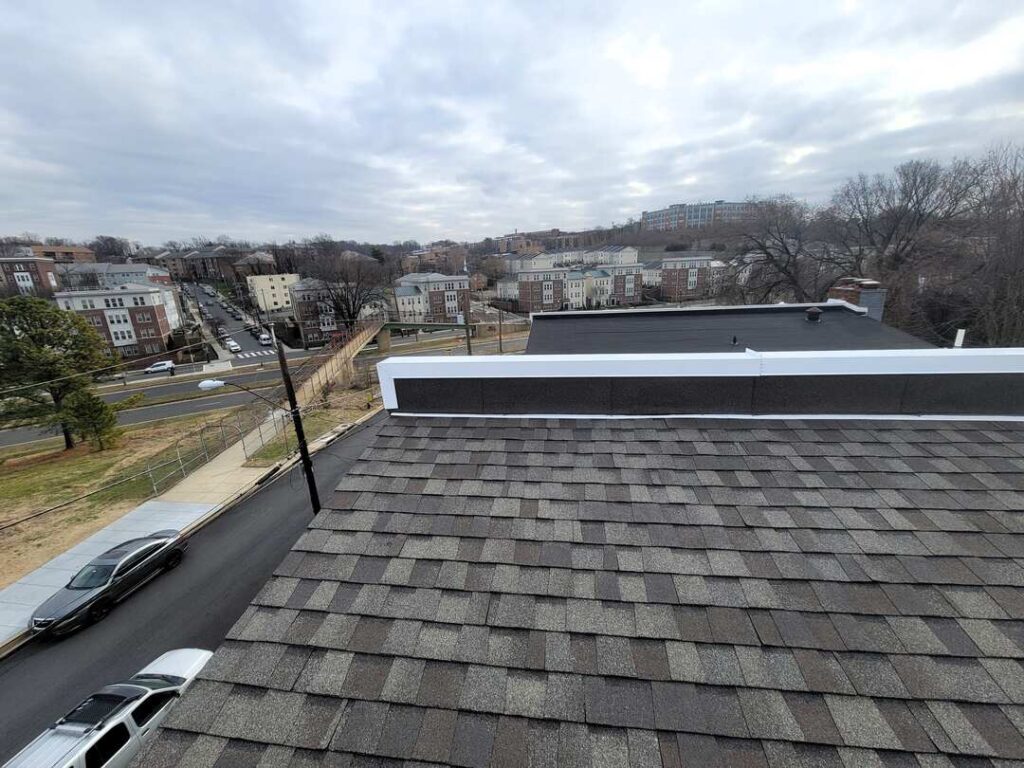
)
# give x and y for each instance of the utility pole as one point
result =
(469, 343)
(500, 350)
(300, 434)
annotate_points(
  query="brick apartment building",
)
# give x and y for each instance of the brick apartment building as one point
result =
(28, 274)
(542, 292)
(314, 310)
(689, 277)
(65, 254)
(613, 285)
(431, 297)
(550, 290)
(136, 320)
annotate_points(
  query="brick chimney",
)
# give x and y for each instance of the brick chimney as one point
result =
(863, 293)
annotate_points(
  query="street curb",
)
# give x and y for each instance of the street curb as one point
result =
(272, 473)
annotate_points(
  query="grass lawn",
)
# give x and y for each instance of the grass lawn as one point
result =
(40, 475)
(346, 406)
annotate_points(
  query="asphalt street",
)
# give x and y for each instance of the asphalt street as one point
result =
(21, 435)
(191, 607)
(177, 385)
(236, 329)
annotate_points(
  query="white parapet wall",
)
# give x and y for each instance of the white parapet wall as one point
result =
(725, 364)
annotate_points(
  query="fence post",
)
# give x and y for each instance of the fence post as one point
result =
(177, 451)
(223, 435)
(202, 441)
(259, 430)
(284, 424)
(149, 471)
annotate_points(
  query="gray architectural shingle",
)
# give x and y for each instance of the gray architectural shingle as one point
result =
(638, 592)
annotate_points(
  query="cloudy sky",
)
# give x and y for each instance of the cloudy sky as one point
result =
(393, 120)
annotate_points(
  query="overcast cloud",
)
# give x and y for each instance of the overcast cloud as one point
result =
(394, 120)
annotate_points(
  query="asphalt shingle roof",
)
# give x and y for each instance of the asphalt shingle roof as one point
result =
(638, 592)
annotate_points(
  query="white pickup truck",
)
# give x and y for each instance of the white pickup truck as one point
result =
(109, 728)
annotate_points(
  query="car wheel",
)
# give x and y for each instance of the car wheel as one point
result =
(99, 612)
(173, 560)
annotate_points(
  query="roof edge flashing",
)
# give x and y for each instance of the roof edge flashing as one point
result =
(736, 416)
(828, 304)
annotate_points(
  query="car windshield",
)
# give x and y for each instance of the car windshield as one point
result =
(91, 576)
(156, 681)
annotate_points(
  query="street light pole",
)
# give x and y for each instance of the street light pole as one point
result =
(300, 433)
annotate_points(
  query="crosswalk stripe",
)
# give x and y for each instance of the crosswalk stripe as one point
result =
(261, 353)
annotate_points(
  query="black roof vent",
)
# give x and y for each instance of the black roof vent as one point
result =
(813, 315)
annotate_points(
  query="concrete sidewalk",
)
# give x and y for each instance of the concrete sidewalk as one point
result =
(19, 599)
(190, 503)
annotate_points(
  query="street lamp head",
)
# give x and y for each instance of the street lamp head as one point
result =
(207, 384)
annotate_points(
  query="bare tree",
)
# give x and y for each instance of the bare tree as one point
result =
(1000, 317)
(114, 250)
(784, 258)
(882, 223)
(352, 281)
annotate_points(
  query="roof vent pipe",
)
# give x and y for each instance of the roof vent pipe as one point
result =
(813, 315)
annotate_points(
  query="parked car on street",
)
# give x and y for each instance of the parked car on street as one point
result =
(160, 367)
(107, 580)
(111, 727)
(232, 345)
(265, 339)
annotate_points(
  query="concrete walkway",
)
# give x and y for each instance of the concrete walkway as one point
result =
(187, 505)
(19, 599)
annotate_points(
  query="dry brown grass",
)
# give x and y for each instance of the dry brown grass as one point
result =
(344, 407)
(36, 477)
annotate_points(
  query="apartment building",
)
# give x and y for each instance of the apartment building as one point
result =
(135, 319)
(64, 254)
(411, 303)
(272, 293)
(431, 297)
(447, 257)
(103, 275)
(314, 311)
(614, 255)
(546, 260)
(693, 276)
(651, 274)
(315, 314)
(542, 290)
(550, 290)
(28, 274)
(615, 285)
(256, 263)
(693, 215)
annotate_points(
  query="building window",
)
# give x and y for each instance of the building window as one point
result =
(691, 279)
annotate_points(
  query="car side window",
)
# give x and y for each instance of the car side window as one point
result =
(107, 747)
(145, 711)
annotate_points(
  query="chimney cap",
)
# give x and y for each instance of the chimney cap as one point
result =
(813, 314)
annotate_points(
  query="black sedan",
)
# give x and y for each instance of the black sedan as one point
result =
(107, 580)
